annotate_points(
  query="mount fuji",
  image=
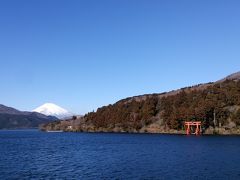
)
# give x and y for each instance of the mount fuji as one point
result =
(51, 109)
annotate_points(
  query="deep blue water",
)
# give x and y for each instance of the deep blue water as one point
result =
(30, 154)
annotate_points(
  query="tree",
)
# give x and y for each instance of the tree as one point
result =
(236, 117)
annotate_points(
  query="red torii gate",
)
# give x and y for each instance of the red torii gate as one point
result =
(189, 124)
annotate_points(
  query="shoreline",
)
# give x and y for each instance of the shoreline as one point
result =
(150, 133)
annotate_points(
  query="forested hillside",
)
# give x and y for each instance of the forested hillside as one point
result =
(216, 105)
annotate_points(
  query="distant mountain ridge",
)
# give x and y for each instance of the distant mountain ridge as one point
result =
(11, 118)
(8, 110)
(50, 109)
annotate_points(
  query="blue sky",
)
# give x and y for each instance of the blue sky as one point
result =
(83, 54)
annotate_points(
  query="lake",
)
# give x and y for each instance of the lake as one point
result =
(31, 154)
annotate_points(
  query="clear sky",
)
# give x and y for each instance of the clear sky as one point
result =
(83, 54)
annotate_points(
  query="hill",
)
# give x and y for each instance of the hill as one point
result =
(11, 118)
(216, 105)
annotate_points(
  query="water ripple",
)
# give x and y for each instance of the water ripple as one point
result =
(32, 154)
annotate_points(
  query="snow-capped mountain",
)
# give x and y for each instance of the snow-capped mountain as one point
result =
(51, 109)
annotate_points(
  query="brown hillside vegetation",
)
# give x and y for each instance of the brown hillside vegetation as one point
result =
(217, 105)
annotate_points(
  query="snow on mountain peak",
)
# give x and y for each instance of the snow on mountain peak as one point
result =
(51, 109)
